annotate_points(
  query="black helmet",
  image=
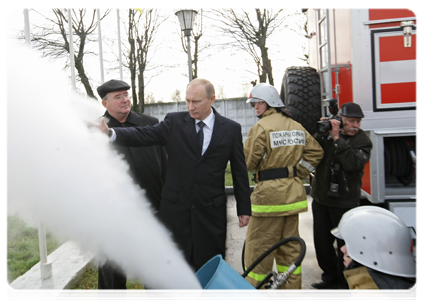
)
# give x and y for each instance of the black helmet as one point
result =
(351, 109)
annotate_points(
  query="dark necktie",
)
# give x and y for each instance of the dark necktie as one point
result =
(200, 135)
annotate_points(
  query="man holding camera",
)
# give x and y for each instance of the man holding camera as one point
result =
(336, 187)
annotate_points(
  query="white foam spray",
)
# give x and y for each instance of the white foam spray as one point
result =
(65, 175)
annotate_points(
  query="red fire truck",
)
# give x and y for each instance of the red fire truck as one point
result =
(366, 56)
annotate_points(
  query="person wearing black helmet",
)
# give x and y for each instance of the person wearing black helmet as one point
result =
(336, 188)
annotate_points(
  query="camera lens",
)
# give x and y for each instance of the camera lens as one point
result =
(324, 126)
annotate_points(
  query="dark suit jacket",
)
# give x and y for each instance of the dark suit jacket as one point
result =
(193, 203)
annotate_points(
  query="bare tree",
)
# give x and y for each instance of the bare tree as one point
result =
(220, 92)
(299, 26)
(250, 32)
(176, 96)
(149, 98)
(142, 29)
(245, 89)
(52, 39)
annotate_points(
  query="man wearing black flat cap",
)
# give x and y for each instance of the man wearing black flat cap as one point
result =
(147, 164)
(336, 188)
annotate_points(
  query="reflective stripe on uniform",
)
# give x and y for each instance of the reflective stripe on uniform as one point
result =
(278, 208)
(257, 277)
(306, 165)
(282, 269)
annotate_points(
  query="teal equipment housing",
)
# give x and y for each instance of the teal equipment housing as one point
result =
(218, 274)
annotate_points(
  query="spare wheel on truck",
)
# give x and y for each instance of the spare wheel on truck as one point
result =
(300, 92)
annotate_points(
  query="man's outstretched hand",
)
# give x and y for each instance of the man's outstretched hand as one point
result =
(102, 126)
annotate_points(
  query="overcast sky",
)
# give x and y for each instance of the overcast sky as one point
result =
(228, 69)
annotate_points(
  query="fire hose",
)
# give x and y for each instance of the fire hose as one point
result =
(400, 159)
(279, 279)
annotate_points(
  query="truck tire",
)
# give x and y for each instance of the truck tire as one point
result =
(300, 92)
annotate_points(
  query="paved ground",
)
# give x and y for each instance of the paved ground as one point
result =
(236, 237)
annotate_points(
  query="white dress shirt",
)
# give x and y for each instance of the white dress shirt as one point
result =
(207, 129)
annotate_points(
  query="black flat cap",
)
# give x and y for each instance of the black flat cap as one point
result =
(112, 86)
(351, 109)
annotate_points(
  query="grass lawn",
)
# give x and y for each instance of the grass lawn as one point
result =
(87, 288)
(23, 253)
(228, 177)
(22, 247)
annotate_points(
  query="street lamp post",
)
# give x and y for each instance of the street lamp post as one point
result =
(186, 19)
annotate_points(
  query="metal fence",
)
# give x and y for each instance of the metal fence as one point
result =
(235, 109)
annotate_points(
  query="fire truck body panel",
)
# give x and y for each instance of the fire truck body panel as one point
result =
(372, 66)
(372, 63)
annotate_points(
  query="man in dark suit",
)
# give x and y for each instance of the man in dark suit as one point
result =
(147, 165)
(199, 144)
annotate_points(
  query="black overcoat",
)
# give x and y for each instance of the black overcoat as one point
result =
(193, 203)
(147, 165)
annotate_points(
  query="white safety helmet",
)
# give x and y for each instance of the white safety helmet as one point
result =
(378, 239)
(265, 92)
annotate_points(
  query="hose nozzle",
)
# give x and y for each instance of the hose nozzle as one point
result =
(282, 278)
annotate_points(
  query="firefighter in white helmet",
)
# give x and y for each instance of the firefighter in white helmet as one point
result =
(378, 250)
(282, 153)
